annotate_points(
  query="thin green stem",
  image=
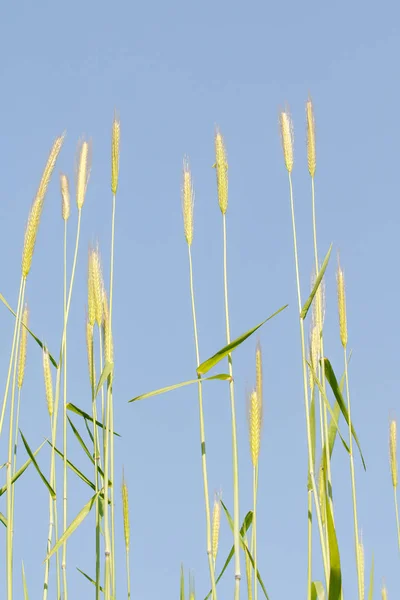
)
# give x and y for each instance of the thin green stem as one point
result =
(202, 436)
(353, 480)
(254, 528)
(128, 574)
(96, 473)
(306, 402)
(111, 403)
(396, 508)
(236, 524)
(65, 477)
(309, 545)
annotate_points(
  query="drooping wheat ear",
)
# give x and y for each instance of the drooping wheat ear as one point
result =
(23, 346)
(65, 197)
(115, 154)
(360, 551)
(311, 153)
(221, 166)
(341, 293)
(384, 592)
(393, 451)
(287, 139)
(91, 296)
(125, 511)
(108, 341)
(216, 522)
(83, 164)
(255, 425)
(33, 222)
(98, 285)
(89, 348)
(187, 202)
(48, 381)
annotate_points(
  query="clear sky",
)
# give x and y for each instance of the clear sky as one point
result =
(174, 70)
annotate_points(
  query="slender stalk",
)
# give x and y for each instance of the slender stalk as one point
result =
(128, 573)
(65, 478)
(202, 436)
(111, 424)
(254, 529)
(236, 525)
(309, 545)
(396, 507)
(96, 477)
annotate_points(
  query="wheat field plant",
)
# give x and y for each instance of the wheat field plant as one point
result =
(234, 534)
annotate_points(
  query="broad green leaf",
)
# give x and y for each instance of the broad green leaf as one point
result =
(107, 371)
(20, 471)
(182, 585)
(3, 519)
(4, 301)
(32, 457)
(317, 591)
(26, 596)
(85, 415)
(331, 378)
(371, 581)
(89, 578)
(317, 282)
(169, 388)
(218, 356)
(74, 525)
(335, 575)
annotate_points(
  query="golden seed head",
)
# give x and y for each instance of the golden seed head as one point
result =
(341, 293)
(287, 139)
(97, 285)
(23, 346)
(187, 202)
(255, 424)
(48, 381)
(221, 166)
(32, 225)
(311, 153)
(108, 340)
(315, 353)
(115, 154)
(393, 451)
(125, 511)
(318, 305)
(89, 348)
(360, 552)
(65, 197)
(216, 522)
(384, 592)
(83, 164)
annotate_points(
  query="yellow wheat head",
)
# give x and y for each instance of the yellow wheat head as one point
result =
(187, 202)
(393, 451)
(65, 197)
(125, 511)
(287, 139)
(311, 153)
(221, 167)
(216, 522)
(108, 340)
(23, 346)
(48, 381)
(115, 154)
(255, 424)
(83, 165)
(341, 293)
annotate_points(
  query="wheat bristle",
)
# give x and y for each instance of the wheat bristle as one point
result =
(23, 346)
(82, 172)
(341, 294)
(187, 202)
(393, 451)
(65, 197)
(311, 151)
(116, 127)
(48, 381)
(287, 139)
(125, 511)
(221, 167)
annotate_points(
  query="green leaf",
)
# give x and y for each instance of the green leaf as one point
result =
(73, 468)
(26, 596)
(335, 575)
(317, 282)
(80, 440)
(169, 388)
(74, 525)
(107, 371)
(85, 415)
(218, 356)
(371, 581)
(182, 585)
(3, 519)
(317, 591)
(331, 378)
(42, 477)
(4, 301)
(89, 578)
(20, 471)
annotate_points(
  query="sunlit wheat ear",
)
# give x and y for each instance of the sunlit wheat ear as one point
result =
(23, 346)
(311, 153)
(315, 353)
(32, 225)
(255, 425)
(115, 154)
(221, 167)
(318, 305)
(360, 551)
(341, 293)
(108, 341)
(89, 348)
(83, 165)
(393, 451)
(287, 139)
(98, 285)
(192, 592)
(125, 511)
(216, 522)
(48, 381)
(65, 197)
(384, 592)
(187, 202)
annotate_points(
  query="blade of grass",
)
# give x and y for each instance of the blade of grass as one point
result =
(169, 388)
(335, 575)
(35, 464)
(26, 596)
(107, 371)
(78, 411)
(317, 591)
(316, 285)
(88, 578)
(371, 581)
(20, 471)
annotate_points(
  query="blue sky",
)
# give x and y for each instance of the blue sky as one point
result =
(174, 70)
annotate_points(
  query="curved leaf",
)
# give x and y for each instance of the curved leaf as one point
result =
(169, 388)
(21, 470)
(317, 282)
(78, 411)
(317, 591)
(107, 371)
(32, 457)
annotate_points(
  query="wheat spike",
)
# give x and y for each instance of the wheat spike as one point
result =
(341, 293)
(221, 166)
(216, 522)
(23, 346)
(65, 197)
(82, 172)
(255, 424)
(115, 154)
(125, 511)
(35, 213)
(384, 592)
(187, 202)
(48, 381)
(98, 284)
(287, 139)
(192, 595)
(108, 341)
(361, 560)
(89, 348)
(393, 451)
(311, 153)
